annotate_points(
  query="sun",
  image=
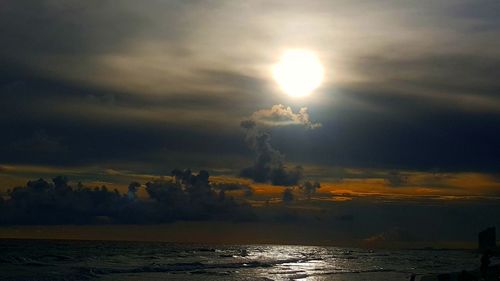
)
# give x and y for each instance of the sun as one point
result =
(298, 72)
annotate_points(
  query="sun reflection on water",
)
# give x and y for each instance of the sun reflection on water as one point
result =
(299, 262)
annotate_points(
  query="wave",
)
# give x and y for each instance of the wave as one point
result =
(214, 269)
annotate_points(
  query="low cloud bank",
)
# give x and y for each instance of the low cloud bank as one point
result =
(186, 196)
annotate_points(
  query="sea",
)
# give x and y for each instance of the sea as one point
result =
(34, 260)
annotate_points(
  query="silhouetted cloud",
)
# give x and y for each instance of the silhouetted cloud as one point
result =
(309, 188)
(287, 196)
(132, 190)
(42, 202)
(190, 197)
(269, 164)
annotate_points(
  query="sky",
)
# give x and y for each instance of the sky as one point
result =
(408, 111)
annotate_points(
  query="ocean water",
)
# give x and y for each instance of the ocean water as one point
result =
(103, 260)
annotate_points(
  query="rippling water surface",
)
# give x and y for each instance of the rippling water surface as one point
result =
(91, 260)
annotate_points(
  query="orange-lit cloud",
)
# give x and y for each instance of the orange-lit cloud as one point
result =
(346, 183)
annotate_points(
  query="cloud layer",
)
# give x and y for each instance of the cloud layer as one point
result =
(407, 85)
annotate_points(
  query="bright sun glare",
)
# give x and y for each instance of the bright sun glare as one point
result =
(298, 73)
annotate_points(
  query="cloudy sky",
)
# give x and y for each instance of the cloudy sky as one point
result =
(105, 92)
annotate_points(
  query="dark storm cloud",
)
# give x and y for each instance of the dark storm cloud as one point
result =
(99, 124)
(73, 27)
(381, 132)
(483, 14)
(89, 144)
(417, 138)
(428, 97)
(39, 144)
(23, 90)
(430, 112)
(439, 78)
